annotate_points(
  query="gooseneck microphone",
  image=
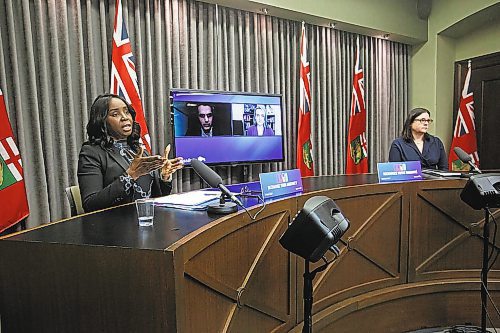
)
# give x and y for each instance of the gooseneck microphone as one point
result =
(213, 179)
(465, 158)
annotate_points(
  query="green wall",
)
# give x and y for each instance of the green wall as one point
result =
(392, 16)
(479, 42)
(432, 63)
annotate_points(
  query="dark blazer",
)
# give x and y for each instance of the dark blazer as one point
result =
(433, 155)
(99, 172)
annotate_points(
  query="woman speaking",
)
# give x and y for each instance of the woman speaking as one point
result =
(113, 168)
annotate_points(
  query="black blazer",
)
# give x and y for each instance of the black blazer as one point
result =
(99, 172)
(433, 155)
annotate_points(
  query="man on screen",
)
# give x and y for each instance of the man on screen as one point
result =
(205, 116)
(205, 125)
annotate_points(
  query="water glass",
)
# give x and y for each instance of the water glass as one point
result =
(145, 212)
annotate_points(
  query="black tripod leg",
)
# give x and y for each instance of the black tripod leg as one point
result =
(308, 299)
(484, 270)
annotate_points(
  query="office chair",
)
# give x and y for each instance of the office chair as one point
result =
(75, 200)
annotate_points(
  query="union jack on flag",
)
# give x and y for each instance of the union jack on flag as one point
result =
(464, 134)
(357, 161)
(123, 74)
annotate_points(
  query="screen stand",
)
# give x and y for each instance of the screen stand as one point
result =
(223, 207)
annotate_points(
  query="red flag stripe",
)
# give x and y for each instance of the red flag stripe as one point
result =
(13, 197)
(357, 146)
(304, 146)
(464, 132)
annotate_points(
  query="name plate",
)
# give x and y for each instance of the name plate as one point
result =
(399, 171)
(276, 184)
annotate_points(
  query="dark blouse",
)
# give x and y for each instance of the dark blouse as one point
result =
(433, 155)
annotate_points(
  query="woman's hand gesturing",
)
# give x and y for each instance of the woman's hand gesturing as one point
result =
(170, 166)
(142, 165)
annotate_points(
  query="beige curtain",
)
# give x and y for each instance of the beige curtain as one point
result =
(55, 58)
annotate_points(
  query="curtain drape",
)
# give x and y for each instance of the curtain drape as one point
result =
(55, 59)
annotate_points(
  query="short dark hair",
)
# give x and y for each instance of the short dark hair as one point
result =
(406, 132)
(210, 106)
(97, 130)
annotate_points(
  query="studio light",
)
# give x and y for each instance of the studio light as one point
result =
(316, 229)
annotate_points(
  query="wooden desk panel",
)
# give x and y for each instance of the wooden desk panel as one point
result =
(410, 259)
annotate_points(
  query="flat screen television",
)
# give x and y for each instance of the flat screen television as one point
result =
(223, 128)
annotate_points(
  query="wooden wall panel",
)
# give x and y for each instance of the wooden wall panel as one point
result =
(250, 270)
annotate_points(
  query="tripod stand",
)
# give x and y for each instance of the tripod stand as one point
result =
(482, 191)
(484, 269)
(308, 294)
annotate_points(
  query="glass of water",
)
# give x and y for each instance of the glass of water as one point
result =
(145, 211)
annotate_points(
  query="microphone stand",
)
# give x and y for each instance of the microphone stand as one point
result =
(223, 207)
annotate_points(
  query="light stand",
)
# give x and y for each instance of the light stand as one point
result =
(484, 270)
(308, 294)
(483, 192)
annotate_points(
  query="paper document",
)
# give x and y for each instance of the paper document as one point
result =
(441, 173)
(190, 200)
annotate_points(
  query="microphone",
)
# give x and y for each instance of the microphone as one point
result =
(213, 179)
(465, 158)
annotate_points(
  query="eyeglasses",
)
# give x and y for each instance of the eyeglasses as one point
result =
(423, 121)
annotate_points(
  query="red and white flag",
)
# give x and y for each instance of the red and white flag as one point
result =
(123, 74)
(12, 189)
(357, 147)
(464, 134)
(304, 146)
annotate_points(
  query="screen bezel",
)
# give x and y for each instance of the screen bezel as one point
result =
(220, 92)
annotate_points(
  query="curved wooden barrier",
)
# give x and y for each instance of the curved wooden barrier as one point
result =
(411, 259)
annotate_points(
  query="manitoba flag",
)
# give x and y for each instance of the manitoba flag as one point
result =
(304, 146)
(357, 147)
(123, 74)
(464, 133)
(12, 191)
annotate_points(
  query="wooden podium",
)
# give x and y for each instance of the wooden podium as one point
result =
(411, 259)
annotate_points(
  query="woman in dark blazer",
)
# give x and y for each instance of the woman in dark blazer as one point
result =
(415, 144)
(113, 167)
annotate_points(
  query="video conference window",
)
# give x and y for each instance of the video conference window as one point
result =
(203, 119)
(216, 119)
(227, 127)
